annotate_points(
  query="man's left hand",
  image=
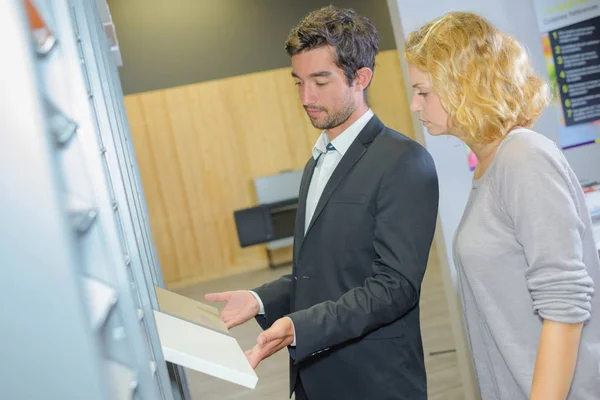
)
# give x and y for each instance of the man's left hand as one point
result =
(278, 336)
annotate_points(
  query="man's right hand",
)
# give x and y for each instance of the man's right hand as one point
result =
(241, 306)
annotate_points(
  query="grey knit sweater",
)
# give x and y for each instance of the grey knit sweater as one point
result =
(524, 252)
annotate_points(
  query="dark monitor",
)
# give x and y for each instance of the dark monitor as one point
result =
(253, 225)
(266, 222)
(284, 220)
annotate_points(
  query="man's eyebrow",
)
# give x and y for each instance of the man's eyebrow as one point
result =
(320, 74)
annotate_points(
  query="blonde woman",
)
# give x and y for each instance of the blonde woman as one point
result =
(525, 256)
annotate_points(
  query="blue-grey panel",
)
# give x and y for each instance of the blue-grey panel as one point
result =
(47, 349)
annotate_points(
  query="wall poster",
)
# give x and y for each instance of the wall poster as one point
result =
(571, 41)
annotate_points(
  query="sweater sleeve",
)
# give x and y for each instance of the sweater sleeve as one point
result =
(537, 190)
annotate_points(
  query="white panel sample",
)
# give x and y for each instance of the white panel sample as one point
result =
(204, 350)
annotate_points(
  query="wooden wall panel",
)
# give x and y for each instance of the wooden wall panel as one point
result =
(200, 146)
(387, 93)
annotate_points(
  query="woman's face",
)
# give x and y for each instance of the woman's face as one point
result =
(426, 102)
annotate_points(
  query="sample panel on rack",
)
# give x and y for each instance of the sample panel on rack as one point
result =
(190, 310)
(204, 350)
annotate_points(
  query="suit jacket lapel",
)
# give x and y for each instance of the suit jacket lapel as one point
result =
(301, 214)
(355, 152)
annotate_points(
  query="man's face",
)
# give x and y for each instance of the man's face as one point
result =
(323, 89)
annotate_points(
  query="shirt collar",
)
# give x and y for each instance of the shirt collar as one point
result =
(343, 141)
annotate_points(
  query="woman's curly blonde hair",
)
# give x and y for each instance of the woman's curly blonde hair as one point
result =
(483, 77)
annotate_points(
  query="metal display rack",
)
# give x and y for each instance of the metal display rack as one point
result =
(75, 238)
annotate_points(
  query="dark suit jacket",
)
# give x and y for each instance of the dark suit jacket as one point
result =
(353, 294)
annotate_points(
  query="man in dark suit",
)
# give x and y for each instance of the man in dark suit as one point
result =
(349, 311)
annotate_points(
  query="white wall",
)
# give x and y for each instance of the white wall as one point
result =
(518, 18)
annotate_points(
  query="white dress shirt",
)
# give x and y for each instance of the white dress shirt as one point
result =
(327, 161)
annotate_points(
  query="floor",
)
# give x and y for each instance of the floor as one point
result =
(440, 359)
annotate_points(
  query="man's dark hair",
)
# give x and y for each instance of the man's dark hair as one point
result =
(354, 38)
